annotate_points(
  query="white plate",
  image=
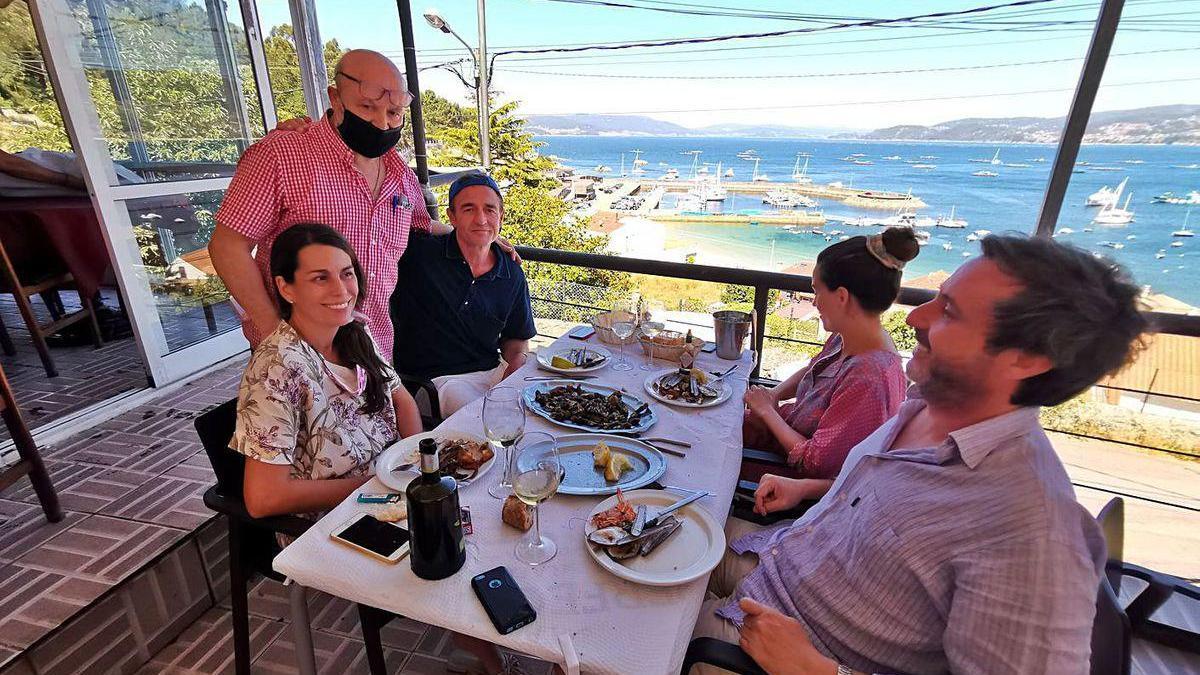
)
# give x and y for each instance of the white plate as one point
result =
(405, 450)
(726, 392)
(647, 420)
(545, 354)
(687, 555)
(581, 477)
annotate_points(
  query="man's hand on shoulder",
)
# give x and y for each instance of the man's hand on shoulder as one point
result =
(294, 124)
(779, 644)
(508, 247)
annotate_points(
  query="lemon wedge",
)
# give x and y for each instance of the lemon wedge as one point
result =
(617, 465)
(601, 454)
(699, 376)
(561, 362)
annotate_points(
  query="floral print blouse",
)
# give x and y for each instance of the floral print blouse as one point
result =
(294, 409)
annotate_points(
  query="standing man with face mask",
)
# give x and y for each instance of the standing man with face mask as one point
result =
(341, 171)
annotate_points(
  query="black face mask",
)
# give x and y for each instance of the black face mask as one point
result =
(365, 138)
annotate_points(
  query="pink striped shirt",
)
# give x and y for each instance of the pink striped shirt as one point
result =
(309, 177)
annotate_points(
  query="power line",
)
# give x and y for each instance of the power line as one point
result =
(906, 71)
(835, 104)
(794, 31)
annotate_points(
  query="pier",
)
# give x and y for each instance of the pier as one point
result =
(652, 191)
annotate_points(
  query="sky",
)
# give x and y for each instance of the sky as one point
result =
(843, 78)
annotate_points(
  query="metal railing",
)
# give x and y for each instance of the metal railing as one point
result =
(763, 282)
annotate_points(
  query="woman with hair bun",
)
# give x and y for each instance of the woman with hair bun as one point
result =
(857, 380)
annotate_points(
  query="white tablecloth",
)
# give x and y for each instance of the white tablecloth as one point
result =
(613, 626)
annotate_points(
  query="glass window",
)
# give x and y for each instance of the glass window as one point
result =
(172, 234)
(172, 85)
(29, 116)
(760, 153)
(1134, 195)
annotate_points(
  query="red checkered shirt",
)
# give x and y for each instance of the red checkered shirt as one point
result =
(309, 177)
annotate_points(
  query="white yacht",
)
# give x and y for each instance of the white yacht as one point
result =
(924, 166)
(1192, 197)
(950, 221)
(1107, 196)
(671, 174)
(786, 199)
(728, 173)
(1111, 215)
(892, 158)
(759, 177)
(603, 169)
(1184, 231)
(985, 174)
(995, 160)
(800, 175)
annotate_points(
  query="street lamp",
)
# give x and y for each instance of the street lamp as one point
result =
(481, 75)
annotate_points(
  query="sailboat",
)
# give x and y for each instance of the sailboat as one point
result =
(1107, 196)
(951, 221)
(759, 177)
(1111, 215)
(1184, 231)
(995, 160)
(638, 162)
(728, 173)
(800, 175)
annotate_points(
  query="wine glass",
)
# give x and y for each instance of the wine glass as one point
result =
(503, 424)
(652, 323)
(624, 330)
(538, 474)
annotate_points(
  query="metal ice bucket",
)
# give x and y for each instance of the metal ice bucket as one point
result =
(731, 328)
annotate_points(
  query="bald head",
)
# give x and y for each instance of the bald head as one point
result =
(371, 86)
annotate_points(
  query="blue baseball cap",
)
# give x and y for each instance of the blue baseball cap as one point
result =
(470, 180)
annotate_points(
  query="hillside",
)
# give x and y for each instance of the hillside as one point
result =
(1158, 125)
(639, 125)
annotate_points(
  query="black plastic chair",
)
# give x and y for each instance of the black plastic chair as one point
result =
(1112, 628)
(1160, 587)
(414, 385)
(252, 543)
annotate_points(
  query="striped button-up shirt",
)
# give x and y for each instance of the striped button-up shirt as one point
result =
(969, 557)
(309, 177)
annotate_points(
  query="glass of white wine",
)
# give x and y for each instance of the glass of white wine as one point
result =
(503, 424)
(652, 324)
(537, 477)
(624, 330)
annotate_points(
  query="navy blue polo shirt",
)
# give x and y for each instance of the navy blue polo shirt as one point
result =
(448, 322)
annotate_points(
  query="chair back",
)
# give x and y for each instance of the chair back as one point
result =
(1112, 524)
(215, 429)
(1111, 629)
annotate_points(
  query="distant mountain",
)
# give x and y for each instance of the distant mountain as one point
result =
(638, 125)
(1158, 125)
(603, 125)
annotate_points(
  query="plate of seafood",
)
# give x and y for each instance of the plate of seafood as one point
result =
(571, 360)
(589, 407)
(680, 547)
(688, 388)
(461, 455)
(601, 464)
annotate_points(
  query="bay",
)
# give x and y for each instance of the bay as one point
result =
(1010, 201)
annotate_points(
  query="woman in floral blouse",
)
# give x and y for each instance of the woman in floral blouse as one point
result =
(318, 402)
(857, 380)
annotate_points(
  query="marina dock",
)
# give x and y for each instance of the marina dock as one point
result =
(651, 191)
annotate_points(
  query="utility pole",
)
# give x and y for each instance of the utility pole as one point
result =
(481, 89)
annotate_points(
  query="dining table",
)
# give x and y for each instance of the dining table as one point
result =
(588, 619)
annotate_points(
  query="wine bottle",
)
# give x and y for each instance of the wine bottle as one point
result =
(436, 549)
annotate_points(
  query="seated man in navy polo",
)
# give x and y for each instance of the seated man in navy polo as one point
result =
(461, 307)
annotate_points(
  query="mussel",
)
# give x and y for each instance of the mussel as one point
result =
(610, 536)
(619, 544)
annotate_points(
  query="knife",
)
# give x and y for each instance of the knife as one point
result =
(651, 521)
(639, 521)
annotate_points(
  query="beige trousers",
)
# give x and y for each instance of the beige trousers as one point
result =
(721, 586)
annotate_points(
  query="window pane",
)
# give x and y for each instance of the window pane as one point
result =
(30, 117)
(1138, 176)
(172, 85)
(172, 234)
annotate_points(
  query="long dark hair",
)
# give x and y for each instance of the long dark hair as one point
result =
(352, 342)
(848, 264)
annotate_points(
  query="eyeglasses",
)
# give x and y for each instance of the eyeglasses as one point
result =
(374, 92)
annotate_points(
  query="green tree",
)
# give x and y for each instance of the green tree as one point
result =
(515, 154)
(732, 293)
(902, 334)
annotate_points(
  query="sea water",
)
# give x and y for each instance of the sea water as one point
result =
(1008, 202)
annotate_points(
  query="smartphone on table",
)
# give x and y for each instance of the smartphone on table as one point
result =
(386, 542)
(581, 332)
(503, 600)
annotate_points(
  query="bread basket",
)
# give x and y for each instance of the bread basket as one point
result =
(602, 323)
(668, 345)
